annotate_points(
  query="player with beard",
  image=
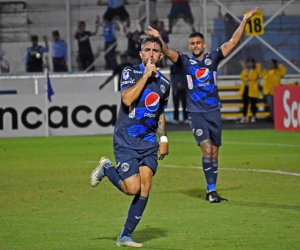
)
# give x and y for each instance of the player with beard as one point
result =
(145, 94)
(203, 101)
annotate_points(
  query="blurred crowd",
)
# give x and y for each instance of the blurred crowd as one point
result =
(115, 11)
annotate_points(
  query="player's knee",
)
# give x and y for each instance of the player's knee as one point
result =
(215, 154)
(132, 189)
(207, 152)
(206, 147)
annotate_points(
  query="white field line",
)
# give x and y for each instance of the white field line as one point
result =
(246, 143)
(231, 169)
(238, 169)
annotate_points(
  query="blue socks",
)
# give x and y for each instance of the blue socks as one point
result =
(113, 176)
(215, 167)
(135, 213)
(210, 176)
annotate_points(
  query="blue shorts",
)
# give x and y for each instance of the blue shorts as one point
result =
(180, 8)
(129, 160)
(207, 126)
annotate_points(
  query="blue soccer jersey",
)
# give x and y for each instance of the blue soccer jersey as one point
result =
(201, 81)
(136, 125)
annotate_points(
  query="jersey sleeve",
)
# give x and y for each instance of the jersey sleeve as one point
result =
(166, 98)
(127, 78)
(217, 56)
(181, 59)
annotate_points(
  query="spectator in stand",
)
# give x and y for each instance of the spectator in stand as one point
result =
(181, 8)
(179, 94)
(85, 49)
(4, 65)
(116, 8)
(142, 13)
(230, 24)
(232, 67)
(110, 45)
(117, 71)
(163, 33)
(249, 88)
(59, 53)
(165, 36)
(34, 55)
(134, 47)
(271, 78)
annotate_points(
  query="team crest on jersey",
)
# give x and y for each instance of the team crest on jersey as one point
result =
(199, 132)
(207, 61)
(152, 101)
(125, 75)
(125, 167)
(163, 88)
(190, 81)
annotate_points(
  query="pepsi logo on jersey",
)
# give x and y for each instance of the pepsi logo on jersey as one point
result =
(202, 74)
(152, 101)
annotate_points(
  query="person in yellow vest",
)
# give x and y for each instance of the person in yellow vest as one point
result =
(249, 88)
(271, 78)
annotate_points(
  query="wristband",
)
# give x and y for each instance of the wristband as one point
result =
(163, 139)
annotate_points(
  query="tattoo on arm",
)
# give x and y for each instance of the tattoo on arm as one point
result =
(161, 130)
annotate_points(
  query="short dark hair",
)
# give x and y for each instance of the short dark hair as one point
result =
(82, 23)
(275, 62)
(196, 34)
(151, 39)
(55, 33)
(251, 59)
(34, 38)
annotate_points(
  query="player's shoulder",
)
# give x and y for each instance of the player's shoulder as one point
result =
(214, 53)
(133, 69)
(182, 55)
(165, 79)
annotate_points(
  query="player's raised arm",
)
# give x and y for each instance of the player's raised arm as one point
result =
(129, 95)
(161, 131)
(232, 43)
(171, 54)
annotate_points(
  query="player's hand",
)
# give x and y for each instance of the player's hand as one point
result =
(243, 64)
(248, 15)
(152, 32)
(163, 150)
(45, 38)
(97, 20)
(150, 68)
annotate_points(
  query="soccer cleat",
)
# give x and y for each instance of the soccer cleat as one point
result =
(253, 119)
(128, 242)
(212, 197)
(98, 174)
(221, 199)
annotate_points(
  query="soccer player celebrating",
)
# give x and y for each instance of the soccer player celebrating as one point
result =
(203, 102)
(145, 94)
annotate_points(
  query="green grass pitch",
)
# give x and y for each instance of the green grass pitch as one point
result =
(46, 201)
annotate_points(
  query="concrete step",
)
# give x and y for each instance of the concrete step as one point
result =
(13, 19)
